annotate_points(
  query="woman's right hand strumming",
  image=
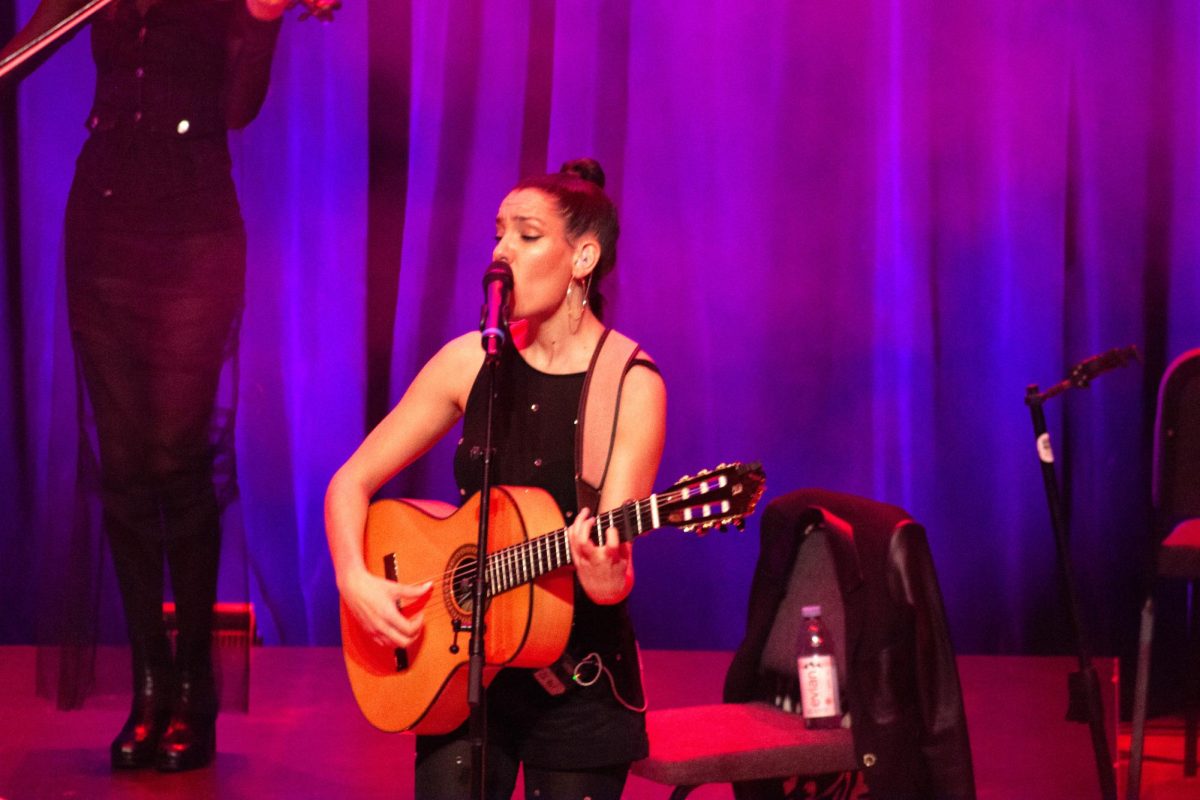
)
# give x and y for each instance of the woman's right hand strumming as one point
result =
(391, 613)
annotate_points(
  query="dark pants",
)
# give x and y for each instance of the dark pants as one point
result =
(444, 773)
(153, 317)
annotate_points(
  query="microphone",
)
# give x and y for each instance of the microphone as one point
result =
(1083, 373)
(493, 317)
(1089, 369)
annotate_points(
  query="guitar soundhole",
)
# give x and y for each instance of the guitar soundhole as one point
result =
(459, 587)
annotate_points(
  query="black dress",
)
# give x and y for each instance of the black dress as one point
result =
(155, 261)
(587, 727)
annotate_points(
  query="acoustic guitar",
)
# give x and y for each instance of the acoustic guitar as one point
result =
(423, 687)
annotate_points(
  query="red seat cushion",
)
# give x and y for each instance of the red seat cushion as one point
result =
(1179, 555)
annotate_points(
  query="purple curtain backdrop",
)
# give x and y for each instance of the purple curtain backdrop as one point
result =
(851, 237)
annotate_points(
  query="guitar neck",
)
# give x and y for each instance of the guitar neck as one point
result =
(526, 562)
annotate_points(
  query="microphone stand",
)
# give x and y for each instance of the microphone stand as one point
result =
(51, 35)
(494, 328)
(1083, 686)
(477, 725)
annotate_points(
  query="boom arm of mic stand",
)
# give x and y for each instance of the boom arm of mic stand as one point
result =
(67, 25)
(1082, 374)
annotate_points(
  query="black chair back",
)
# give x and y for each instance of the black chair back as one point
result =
(1176, 480)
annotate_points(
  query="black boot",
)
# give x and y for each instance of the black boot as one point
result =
(137, 555)
(137, 743)
(190, 741)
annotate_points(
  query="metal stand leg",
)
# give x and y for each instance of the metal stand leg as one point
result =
(1192, 689)
(1140, 691)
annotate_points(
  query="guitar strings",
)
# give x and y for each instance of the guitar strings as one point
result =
(511, 557)
(506, 558)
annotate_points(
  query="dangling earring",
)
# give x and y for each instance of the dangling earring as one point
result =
(577, 302)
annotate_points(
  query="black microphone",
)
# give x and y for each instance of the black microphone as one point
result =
(493, 317)
(1083, 373)
(1089, 369)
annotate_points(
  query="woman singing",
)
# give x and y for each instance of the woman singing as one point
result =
(155, 260)
(558, 233)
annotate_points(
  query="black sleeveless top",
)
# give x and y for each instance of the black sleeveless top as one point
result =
(534, 437)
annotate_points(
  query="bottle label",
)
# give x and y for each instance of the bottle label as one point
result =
(818, 687)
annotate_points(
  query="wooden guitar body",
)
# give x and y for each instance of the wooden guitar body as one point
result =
(424, 687)
(530, 585)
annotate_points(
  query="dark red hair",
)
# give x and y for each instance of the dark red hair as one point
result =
(578, 188)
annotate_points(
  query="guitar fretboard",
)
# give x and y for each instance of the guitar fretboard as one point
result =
(528, 561)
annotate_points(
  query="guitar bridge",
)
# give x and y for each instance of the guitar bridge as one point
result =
(393, 574)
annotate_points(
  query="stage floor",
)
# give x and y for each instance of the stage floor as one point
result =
(304, 737)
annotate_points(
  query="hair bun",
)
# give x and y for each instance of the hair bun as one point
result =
(587, 168)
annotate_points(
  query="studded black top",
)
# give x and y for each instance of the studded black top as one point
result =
(534, 437)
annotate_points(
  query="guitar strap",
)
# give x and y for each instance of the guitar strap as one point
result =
(599, 405)
(595, 431)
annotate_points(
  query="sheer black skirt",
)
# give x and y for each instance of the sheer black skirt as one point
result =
(153, 317)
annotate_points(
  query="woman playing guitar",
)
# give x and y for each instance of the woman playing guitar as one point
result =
(558, 233)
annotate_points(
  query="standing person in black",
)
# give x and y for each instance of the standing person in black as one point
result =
(558, 233)
(155, 260)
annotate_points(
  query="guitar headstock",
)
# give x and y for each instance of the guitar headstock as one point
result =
(721, 496)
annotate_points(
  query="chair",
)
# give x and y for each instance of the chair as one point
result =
(867, 564)
(1176, 497)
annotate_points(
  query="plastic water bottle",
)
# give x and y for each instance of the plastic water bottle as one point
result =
(820, 702)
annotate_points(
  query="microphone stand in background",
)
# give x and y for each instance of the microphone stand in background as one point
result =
(1084, 687)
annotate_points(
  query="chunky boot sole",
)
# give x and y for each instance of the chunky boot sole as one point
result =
(140, 739)
(198, 753)
(135, 758)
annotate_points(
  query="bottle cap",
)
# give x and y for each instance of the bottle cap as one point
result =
(808, 612)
